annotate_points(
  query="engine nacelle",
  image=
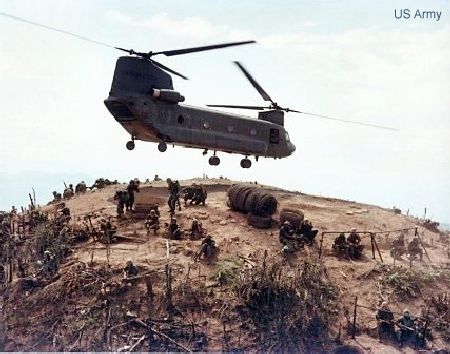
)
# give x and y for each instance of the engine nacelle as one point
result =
(169, 96)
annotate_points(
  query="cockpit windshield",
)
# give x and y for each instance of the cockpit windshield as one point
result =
(287, 136)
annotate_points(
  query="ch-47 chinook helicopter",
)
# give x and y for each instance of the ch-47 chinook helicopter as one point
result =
(143, 101)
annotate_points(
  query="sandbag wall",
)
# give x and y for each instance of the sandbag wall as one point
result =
(256, 201)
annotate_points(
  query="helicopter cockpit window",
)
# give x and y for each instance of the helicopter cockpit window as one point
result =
(274, 137)
(287, 136)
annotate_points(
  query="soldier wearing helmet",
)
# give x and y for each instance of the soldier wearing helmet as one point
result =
(130, 270)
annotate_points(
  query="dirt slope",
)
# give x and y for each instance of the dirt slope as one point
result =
(235, 238)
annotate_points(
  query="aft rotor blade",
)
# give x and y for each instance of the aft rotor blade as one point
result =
(255, 84)
(342, 120)
(257, 108)
(159, 65)
(200, 49)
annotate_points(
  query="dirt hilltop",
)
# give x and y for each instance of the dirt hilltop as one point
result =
(88, 307)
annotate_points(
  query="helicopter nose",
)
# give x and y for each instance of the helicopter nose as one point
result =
(293, 147)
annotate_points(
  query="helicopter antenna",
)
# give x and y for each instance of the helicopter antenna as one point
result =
(275, 106)
(144, 55)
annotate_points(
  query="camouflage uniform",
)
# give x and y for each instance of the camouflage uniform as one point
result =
(152, 221)
(414, 248)
(207, 248)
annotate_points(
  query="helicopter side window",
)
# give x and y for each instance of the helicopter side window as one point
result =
(206, 125)
(230, 128)
(253, 131)
(274, 137)
(180, 119)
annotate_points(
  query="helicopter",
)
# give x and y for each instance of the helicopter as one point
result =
(142, 99)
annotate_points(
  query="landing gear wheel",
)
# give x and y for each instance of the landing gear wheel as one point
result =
(246, 163)
(130, 145)
(162, 146)
(214, 161)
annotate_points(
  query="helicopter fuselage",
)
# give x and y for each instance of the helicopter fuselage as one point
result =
(143, 101)
(148, 119)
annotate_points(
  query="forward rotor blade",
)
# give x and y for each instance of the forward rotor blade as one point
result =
(257, 86)
(200, 49)
(256, 108)
(342, 120)
(159, 65)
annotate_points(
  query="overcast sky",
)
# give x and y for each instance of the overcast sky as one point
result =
(349, 59)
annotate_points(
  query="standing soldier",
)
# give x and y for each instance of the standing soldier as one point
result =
(414, 248)
(131, 188)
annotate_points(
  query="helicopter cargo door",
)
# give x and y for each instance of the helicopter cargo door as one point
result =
(274, 137)
(119, 110)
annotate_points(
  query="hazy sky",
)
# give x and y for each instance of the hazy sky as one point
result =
(348, 59)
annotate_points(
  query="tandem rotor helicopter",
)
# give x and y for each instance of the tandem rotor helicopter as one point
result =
(142, 99)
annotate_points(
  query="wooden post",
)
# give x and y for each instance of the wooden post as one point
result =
(372, 244)
(321, 243)
(150, 296)
(354, 318)
(376, 245)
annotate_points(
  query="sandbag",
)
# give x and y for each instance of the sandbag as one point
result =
(260, 222)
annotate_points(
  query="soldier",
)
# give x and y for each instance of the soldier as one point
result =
(306, 229)
(108, 230)
(68, 192)
(407, 328)
(207, 249)
(130, 270)
(385, 318)
(56, 196)
(80, 187)
(287, 239)
(50, 266)
(174, 195)
(340, 245)
(174, 231)
(354, 244)
(398, 246)
(414, 248)
(196, 231)
(131, 188)
(152, 221)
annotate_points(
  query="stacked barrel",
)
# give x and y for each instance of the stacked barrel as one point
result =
(257, 202)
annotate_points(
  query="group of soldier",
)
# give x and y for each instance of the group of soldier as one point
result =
(410, 330)
(413, 249)
(293, 239)
(349, 247)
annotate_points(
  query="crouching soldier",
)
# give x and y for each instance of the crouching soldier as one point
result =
(306, 229)
(152, 221)
(340, 246)
(354, 245)
(173, 230)
(196, 231)
(207, 249)
(398, 246)
(407, 332)
(130, 270)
